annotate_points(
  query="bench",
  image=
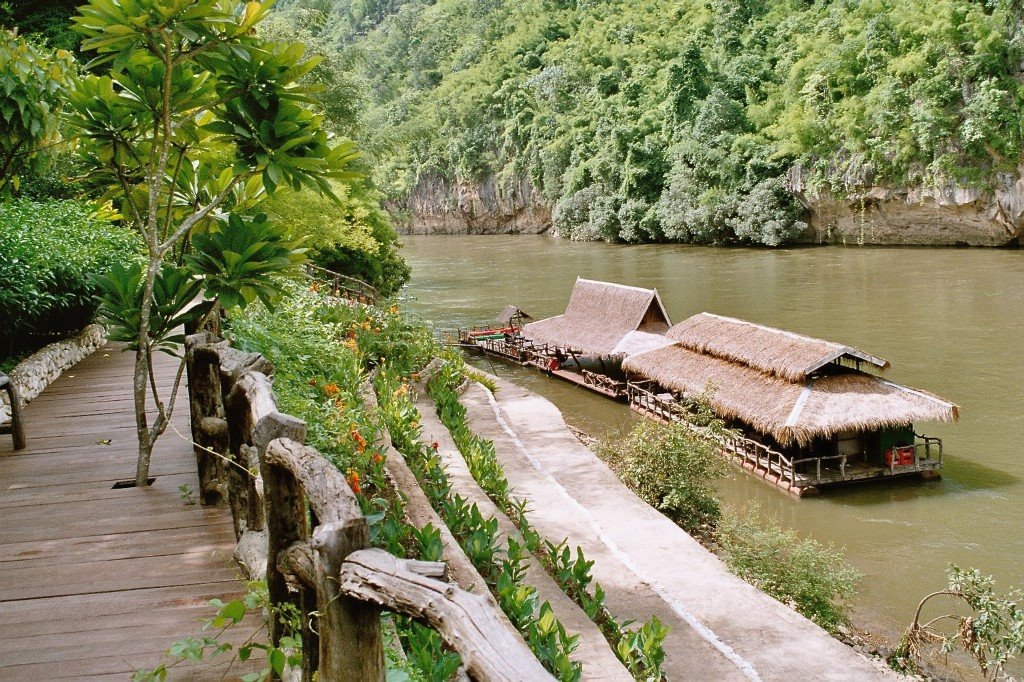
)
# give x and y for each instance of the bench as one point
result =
(16, 428)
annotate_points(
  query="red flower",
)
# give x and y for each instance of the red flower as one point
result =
(358, 438)
(435, 445)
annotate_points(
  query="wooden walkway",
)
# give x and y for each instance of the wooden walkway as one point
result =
(94, 582)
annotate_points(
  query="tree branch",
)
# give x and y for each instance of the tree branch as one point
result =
(191, 221)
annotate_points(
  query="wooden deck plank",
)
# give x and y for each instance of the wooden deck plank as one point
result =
(94, 582)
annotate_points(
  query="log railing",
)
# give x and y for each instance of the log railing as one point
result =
(299, 524)
(342, 286)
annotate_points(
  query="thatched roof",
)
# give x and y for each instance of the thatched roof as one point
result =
(598, 316)
(777, 352)
(790, 411)
(640, 342)
(510, 311)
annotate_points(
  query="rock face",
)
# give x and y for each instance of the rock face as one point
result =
(440, 206)
(949, 215)
(39, 370)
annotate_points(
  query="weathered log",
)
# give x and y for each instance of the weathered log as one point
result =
(466, 622)
(202, 361)
(234, 363)
(286, 524)
(250, 399)
(329, 494)
(296, 565)
(351, 643)
(251, 553)
(17, 426)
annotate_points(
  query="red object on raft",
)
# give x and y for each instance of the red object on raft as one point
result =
(903, 456)
(553, 364)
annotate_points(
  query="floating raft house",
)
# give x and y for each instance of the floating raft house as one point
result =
(603, 320)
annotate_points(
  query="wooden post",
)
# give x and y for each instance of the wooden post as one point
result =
(351, 645)
(286, 524)
(17, 427)
(209, 429)
(249, 400)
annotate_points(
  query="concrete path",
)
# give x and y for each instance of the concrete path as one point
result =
(599, 661)
(722, 628)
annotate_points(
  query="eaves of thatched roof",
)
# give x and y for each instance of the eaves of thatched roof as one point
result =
(791, 412)
(774, 351)
(510, 311)
(599, 316)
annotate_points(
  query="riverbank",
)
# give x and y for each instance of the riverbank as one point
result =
(721, 627)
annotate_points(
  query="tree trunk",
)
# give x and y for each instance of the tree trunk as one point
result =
(142, 360)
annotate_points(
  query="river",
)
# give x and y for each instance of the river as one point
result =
(950, 321)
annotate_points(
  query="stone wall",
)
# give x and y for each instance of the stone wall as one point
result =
(39, 370)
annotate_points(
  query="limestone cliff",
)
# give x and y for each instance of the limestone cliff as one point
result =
(948, 215)
(439, 206)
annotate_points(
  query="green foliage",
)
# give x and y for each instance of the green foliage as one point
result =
(672, 468)
(48, 253)
(243, 259)
(992, 633)
(33, 80)
(207, 647)
(351, 235)
(649, 121)
(120, 308)
(812, 578)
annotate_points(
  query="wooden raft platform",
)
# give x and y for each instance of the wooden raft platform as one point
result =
(96, 582)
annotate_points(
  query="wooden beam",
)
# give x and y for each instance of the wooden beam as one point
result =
(466, 622)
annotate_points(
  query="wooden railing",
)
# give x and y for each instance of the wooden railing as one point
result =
(342, 286)
(299, 524)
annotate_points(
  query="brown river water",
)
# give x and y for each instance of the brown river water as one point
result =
(950, 321)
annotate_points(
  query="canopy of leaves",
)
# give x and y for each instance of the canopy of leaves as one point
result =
(32, 83)
(679, 119)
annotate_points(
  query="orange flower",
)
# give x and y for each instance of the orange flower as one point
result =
(352, 478)
(393, 309)
(314, 287)
(378, 458)
(312, 382)
(340, 404)
(376, 330)
(415, 376)
(358, 438)
(331, 389)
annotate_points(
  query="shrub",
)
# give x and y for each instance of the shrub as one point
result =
(812, 578)
(48, 252)
(671, 467)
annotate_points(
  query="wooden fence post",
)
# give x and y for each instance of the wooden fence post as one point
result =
(351, 645)
(286, 524)
(249, 399)
(209, 428)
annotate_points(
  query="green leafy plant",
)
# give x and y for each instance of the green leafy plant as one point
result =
(812, 578)
(33, 80)
(209, 646)
(197, 115)
(992, 631)
(671, 467)
(49, 253)
(243, 259)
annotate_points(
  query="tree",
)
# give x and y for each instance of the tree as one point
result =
(33, 81)
(196, 117)
(992, 632)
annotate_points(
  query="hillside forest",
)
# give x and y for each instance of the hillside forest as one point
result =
(678, 120)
